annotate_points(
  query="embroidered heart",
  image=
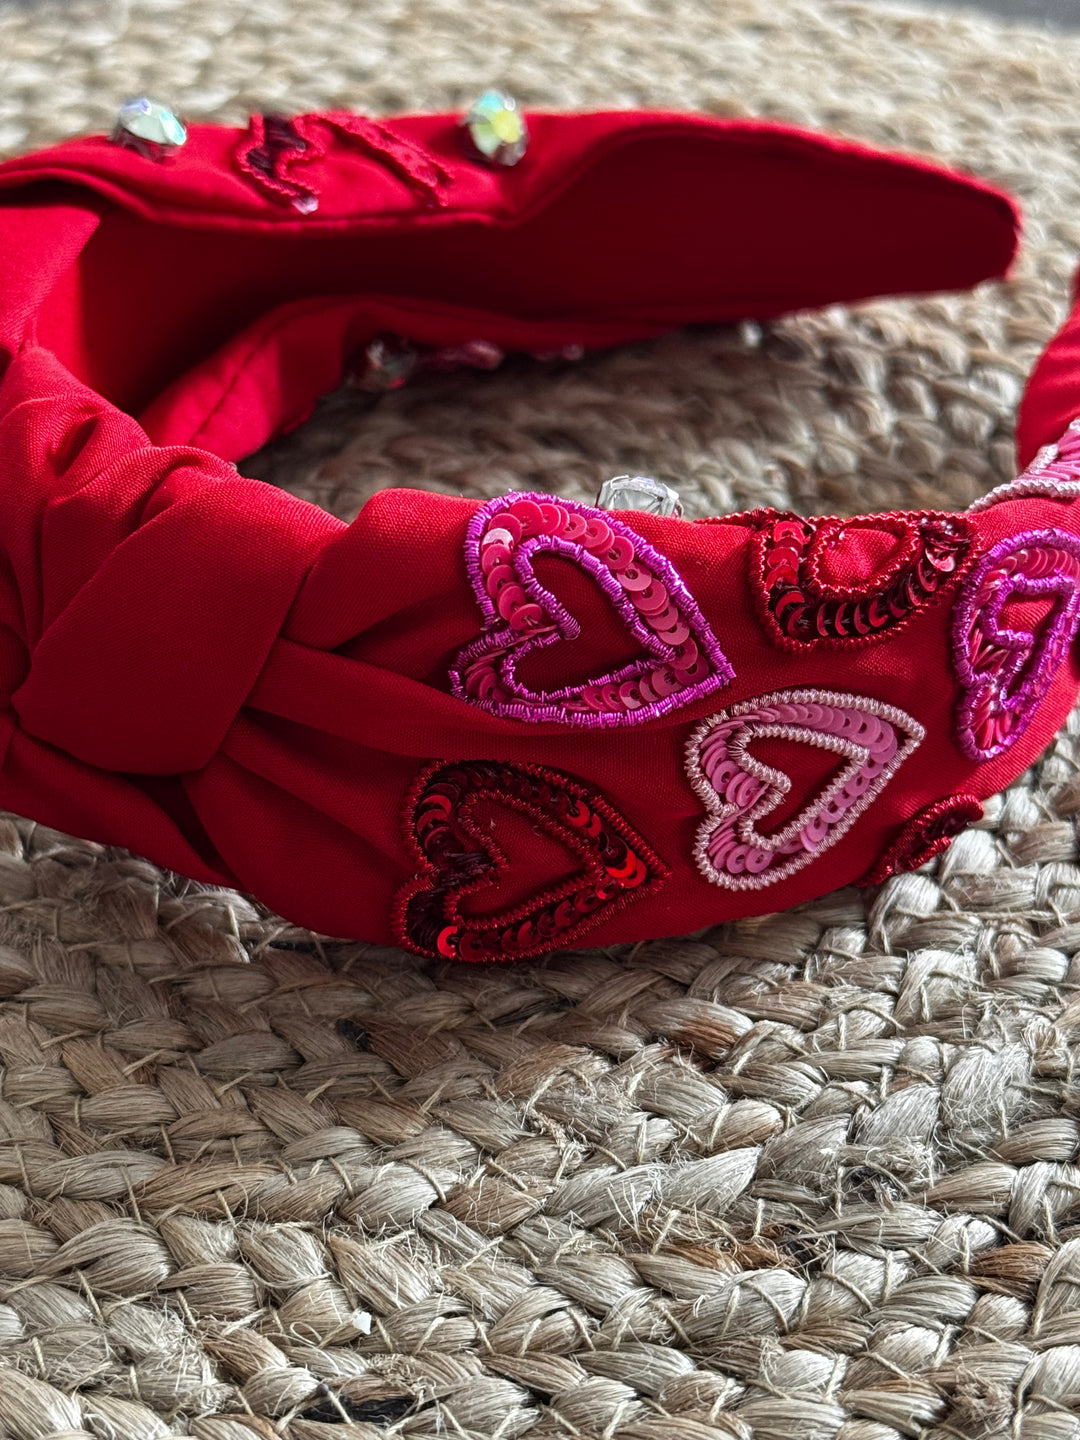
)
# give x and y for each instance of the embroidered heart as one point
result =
(739, 791)
(1053, 474)
(1005, 672)
(458, 859)
(927, 834)
(681, 659)
(801, 607)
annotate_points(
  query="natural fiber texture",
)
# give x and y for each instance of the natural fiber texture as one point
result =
(806, 1178)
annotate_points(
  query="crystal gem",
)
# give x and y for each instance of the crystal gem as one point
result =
(497, 128)
(150, 128)
(386, 364)
(639, 492)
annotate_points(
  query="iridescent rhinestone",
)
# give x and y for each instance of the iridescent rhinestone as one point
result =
(497, 128)
(150, 128)
(386, 363)
(639, 492)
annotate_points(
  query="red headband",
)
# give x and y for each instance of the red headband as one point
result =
(489, 730)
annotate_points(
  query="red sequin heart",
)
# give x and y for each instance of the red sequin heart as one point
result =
(925, 835)
(803, 608)
(458, 859)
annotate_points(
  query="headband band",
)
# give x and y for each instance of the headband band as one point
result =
(492, 729)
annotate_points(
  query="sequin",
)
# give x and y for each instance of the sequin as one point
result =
(740, 791)
(149, 128)
(388, 361)
(459, 857)
(470, 354)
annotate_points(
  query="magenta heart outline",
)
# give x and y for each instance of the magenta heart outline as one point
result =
(484, 671)
(1005, 673)
(739, 790)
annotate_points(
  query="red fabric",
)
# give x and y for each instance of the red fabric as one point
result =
(1052, 398)
(239, 686)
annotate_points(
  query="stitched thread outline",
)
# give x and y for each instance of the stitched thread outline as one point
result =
(277, 147)
(925, 835)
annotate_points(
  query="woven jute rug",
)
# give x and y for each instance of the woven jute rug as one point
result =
(809, 1177)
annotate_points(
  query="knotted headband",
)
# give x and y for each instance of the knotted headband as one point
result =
(490, 730)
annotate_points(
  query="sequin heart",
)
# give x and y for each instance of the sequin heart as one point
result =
(925, 836)
(1005, 671)
(459, 858)
(680, 659)
(802, 608)
(739, 791)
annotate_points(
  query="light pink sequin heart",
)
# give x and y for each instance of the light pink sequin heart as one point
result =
(680, 659)
(739, 791)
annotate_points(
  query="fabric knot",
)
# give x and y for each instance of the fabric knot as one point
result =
(148, 585)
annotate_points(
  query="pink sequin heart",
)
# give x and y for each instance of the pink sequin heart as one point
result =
(1005, 672)
(680, 658)
(739, 791)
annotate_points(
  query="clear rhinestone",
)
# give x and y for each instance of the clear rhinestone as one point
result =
(639, 492)
(497, 128)
(149, 127)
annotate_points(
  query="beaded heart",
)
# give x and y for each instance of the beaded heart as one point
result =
(739, 791)
(925, 835)
(458, 858)
(1004, 671)
(801, 608)
(681, 659)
